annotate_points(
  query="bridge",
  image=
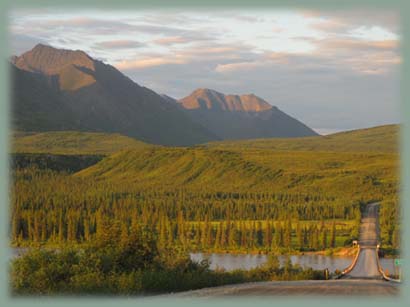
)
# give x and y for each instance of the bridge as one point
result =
(364, 276)
(366, 264)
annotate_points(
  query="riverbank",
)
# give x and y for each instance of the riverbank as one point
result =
(127, 270)
(338, 251)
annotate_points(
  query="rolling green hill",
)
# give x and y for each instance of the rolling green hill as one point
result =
(345, 175)
(73, 143)
(191, 196)
(376, 139)
(179, 167)
(383, 139)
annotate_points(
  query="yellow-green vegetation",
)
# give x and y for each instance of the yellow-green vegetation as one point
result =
(378, 139)
(263, 236)
(220, 198)
(342, 177)
(131, 265)
(72, 143)
(54, 207)
(225, 192)
(390, 224)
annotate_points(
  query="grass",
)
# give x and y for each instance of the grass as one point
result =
(298, 174)
(381, 139)
(378, 139)
(350, 174)
(72, 143)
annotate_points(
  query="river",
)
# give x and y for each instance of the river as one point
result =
(231, 262)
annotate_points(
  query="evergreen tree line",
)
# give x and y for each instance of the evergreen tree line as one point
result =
(52, 207)
(389, 222)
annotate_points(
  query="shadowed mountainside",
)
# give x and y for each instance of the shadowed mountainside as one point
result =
(56, 89)
(240, 117)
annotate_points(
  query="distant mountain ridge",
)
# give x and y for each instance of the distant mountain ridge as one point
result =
(71, 70)
(48, 60)
(241, 116)
(56, 90)
(207, 99)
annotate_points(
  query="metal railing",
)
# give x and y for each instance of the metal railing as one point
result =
(352, 265)
(379, 267)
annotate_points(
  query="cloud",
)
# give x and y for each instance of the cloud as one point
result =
(259, 61)
(344, 19)
(173, 36)
(329, 25)
(221, 51)
(197, 53)
(148, 62)
(93, 25)
(378, 63)
(346, 70)
(199, 50)
(352, 45)
(171, 40)
(249, 18)
(174, 18)
(99, 26)
(241, 66)
(320, 91)
(361, 56)
(20, 43)
(119, 44)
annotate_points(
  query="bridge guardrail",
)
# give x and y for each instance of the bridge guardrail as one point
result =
(379, 267)
(385, 277)
(352, 265)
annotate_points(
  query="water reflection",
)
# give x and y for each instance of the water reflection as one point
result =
(231, 262)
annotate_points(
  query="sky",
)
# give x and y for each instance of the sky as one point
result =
(333, 70)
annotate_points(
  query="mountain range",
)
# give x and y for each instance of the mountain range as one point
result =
(57, 90)
(241, 117)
